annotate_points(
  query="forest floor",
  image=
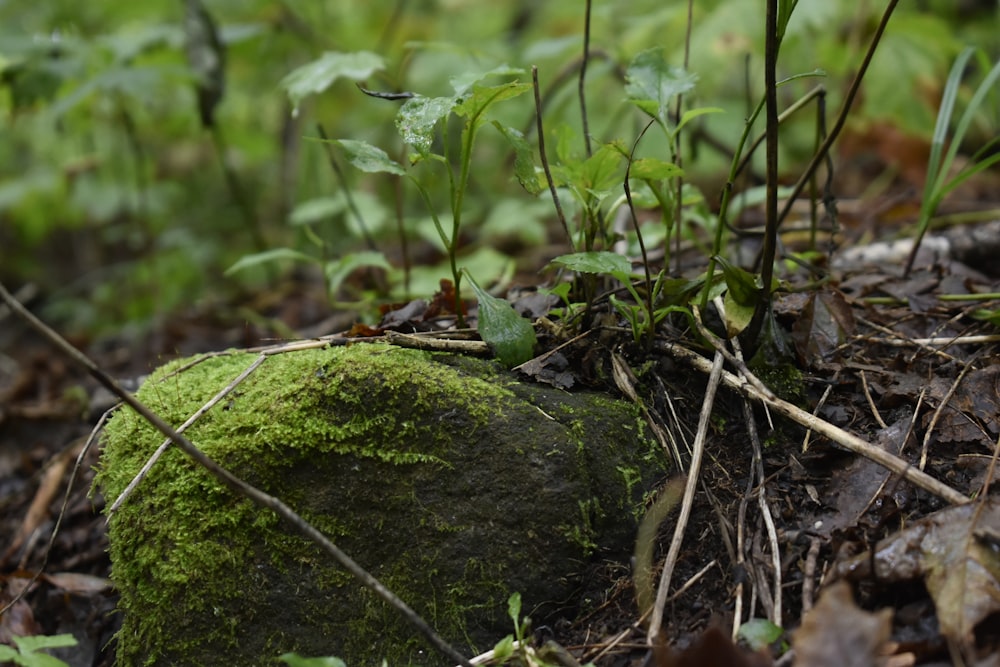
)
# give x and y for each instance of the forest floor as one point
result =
(882, 357)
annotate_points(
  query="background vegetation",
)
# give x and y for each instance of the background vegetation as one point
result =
(121, 207)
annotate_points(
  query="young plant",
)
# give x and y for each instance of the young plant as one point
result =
(939, 179)
(418, 122)
(28, 650)
(515, 645)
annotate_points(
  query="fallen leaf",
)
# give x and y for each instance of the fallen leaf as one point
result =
(957, 554)
(713, 648)
(77, 582)
(837, 633)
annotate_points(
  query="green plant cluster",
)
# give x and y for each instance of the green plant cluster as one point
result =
(132, 176)
(29, 651)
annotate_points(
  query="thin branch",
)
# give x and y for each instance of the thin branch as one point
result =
(824, 428)
(705, 418)
(236, 484)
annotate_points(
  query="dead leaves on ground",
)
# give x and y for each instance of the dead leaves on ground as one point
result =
(837, 633)
(955, 553)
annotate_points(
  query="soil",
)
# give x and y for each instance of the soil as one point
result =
(872, 352)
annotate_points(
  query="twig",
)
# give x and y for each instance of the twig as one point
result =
(824, 428)
(237, 485)
(819, 406)
(144, 471)
(476, 347)
(687, 502)
(765, 509)
(938, 412)
(871, 403)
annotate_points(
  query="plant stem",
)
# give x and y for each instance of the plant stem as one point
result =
(771, 45)
(237, 485)
(583, 76)
(838, 124)
(545, 160)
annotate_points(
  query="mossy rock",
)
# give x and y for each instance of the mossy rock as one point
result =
(445, 477)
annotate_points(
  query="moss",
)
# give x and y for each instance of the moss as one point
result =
(308, 427)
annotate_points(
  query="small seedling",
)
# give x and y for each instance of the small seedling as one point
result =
(27, 651)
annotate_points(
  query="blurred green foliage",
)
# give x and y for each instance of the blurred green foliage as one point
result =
(112, 195)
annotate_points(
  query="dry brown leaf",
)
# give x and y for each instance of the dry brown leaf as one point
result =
(837, 633)
(712, 649)
(77, 582)
(38, 511)
(957, 553)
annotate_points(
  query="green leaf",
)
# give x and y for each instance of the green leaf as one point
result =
(315, 77)
(316, 210)
(785, 9)
(510, 335)
(338, 270)
(503, 649)
(267, 257)
(597, 261)
(524, 158)
(368, 158)
(296, 660)
(759, 633)
(38, 642)
(738, 315)
(514, 606)
(691, 114)
(483, 97)
(652, 84)
(418, 117)
(652, 169)
(463, 82)
(741, 283)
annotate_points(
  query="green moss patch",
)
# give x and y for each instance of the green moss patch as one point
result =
(443, 476)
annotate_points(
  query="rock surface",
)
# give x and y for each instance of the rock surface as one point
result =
(447, 479)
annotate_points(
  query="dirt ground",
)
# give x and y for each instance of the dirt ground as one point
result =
(782, 510)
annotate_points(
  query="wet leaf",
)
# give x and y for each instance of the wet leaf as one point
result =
(511, 336)
(837, 633)
(368, 158)
(418, 118)
(653, 84)
(315, 77)
(957, 553)
(826, 322)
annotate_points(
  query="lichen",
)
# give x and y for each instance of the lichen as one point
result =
(181, 545)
